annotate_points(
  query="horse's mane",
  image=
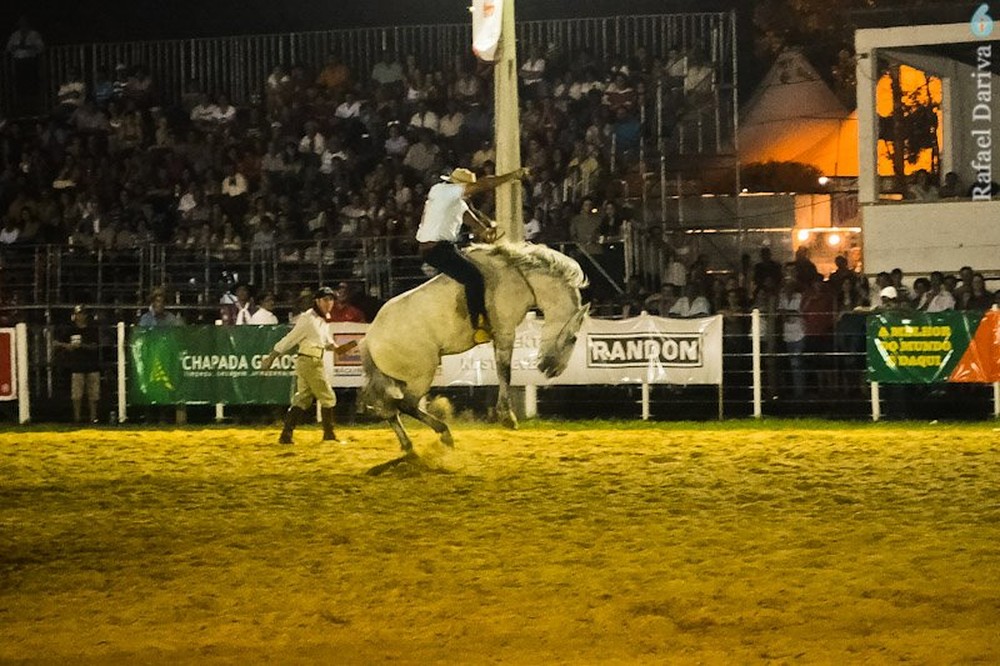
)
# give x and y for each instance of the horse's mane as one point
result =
(531, 257)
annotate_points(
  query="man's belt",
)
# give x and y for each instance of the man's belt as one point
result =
(311, 350)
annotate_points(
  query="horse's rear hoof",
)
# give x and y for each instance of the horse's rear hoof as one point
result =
(508, 420)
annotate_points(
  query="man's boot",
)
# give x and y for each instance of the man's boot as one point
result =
(326, 413)
(293, 417)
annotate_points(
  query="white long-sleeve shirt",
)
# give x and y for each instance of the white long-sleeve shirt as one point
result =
(444, 213)
(311, 333)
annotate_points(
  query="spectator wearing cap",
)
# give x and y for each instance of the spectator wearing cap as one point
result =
(343, 309)
(888, 299)
(80, 350)
(312, 338)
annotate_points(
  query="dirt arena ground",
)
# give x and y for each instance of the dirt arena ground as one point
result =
(589, 543)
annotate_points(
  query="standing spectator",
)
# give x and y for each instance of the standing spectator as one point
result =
(25, 47)
(312, 335)
(157, 314)
(236, 306)
(264, 315)
(343, 309)
(766, 268)
(81, 349)
(793, 333)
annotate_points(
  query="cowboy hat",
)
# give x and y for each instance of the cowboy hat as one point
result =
(460, 175)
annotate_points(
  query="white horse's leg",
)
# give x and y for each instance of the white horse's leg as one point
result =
(404, 439)
(439, 426)
(503, 353)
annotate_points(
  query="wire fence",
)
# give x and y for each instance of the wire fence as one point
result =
(827, 380)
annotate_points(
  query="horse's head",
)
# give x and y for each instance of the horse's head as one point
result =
(556, 349)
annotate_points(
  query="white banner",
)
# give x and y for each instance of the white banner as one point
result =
(607, 351)
(486, 24)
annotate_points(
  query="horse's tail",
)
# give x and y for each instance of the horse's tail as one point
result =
(379, 393)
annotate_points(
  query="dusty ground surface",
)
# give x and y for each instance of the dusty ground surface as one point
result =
(593, 544)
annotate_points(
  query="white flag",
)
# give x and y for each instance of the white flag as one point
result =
(486, 22)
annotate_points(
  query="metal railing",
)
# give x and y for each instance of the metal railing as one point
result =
(240, 65)
(827, 380)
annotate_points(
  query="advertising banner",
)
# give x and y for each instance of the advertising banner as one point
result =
(8, 364)
(922, 348)
(215, 364)
(629, 351)
(221, 364)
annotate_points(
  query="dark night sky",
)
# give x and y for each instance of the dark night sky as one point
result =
(75, 21)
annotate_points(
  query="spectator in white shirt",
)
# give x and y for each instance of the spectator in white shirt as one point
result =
(425, 119)
(264, 315)
(692, 304)
(349, 108)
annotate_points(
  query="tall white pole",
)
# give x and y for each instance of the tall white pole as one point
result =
(507, 128)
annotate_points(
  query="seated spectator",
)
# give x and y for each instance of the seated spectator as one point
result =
(451, 125)
(977, 298)
(263, 239)
(532, 73)
(396, 145)
(10, 232)
(424, 157)
(424, 119)
(533, 227)
(71, 94)
(335, 75)
(203, 114)
(620, 94)
(937, 299)
(662, 301)
(692, 304)
(467, 87)
(388, 72)
(224, 113)
(312, 142)
(104, 87)
(88, 118)
(321, 250)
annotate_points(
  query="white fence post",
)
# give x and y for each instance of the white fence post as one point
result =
(220, 409)
(122, 359)
(645, 400)
(530, 401)
(755, 355)
(876, 404)
(21, 373)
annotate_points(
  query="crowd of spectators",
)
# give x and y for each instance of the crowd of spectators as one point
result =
(324, 156)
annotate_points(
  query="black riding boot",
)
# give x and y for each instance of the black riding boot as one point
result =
(293, 417)
(327, 415)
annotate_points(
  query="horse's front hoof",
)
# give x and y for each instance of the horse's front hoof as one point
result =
(447, 439)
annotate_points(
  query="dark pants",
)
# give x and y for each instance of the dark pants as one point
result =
(445, 257)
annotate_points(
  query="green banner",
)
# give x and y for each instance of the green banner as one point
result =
(917, 347)
(207, 364)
